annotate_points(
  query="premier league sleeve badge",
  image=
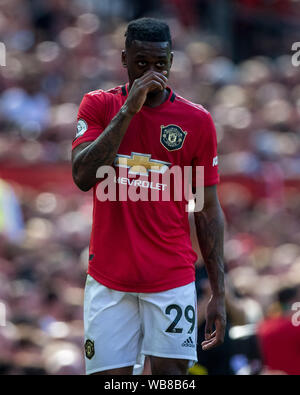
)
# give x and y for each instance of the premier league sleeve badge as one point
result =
(82, 127)
(172, 137)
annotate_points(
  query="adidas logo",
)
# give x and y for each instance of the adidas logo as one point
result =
(188, 343)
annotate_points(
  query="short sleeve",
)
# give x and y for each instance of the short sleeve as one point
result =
(90, 118)
(206, 154)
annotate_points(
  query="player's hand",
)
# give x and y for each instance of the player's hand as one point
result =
(150, 81)
(215, 317)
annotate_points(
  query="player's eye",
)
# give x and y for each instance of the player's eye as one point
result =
(160, 64)
(141, 63)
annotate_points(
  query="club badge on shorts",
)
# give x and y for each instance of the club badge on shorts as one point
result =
(172, 137)
(89, 349)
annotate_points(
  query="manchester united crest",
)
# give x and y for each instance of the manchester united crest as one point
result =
(89, 349)
(172, 137)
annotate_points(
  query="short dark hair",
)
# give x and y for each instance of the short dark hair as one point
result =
(147, 29)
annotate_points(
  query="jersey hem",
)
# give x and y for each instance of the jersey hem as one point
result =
(139, 289)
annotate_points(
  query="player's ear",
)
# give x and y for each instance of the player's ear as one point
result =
(124, 58)
(171, 58)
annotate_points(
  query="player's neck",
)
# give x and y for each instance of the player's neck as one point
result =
(156, 99)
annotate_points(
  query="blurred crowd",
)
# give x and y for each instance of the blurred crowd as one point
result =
(58, 50)
(42, 275)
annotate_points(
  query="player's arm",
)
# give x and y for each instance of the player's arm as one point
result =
(210, 233)
(88, 157)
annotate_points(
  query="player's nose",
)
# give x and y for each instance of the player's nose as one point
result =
(152, 67)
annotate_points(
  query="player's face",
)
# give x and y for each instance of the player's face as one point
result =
(143, 56)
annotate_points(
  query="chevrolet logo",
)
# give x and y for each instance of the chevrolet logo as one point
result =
(141, 164)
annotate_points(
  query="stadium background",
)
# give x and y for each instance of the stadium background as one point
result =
(233, 57)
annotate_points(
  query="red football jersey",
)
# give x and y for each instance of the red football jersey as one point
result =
(144, 245)
(279, 340)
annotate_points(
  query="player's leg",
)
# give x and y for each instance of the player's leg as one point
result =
(112, 329)
(170, 328)
(147, 366)
(127, 370)
(168, 366)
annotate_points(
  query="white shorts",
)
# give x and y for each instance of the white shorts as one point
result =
(121, 327)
